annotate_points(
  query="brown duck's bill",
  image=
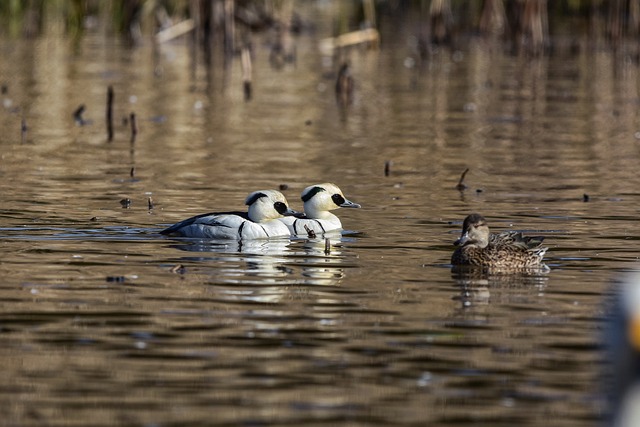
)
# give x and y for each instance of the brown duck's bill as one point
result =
(462, 240)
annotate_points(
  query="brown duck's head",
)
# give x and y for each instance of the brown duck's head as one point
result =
(475, 231)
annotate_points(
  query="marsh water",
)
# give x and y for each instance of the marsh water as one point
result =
(105, 322)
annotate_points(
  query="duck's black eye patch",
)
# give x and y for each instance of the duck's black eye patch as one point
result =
(309, 194)
(338, 199)
(280, 207)
(253, 198)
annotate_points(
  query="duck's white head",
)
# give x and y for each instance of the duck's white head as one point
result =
(266, 205)
(321, 198)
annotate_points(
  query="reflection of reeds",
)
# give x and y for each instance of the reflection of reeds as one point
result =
(440, 20)
(530, 26)
(525, 24)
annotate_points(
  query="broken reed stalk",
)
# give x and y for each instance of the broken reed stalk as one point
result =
(310, 233)
(461, 185)
(387, 167)
(77, 115)
(175, 31)
(110, 113)
(245, 59)
(368, 35)
(327, 246)
(134, 126)
(23, 130)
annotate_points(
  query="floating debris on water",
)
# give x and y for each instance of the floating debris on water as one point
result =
(327, 246)
(585, 197)
(283, 187)
(126, 203)
(178, 269)
(116, 279)
(150, 203)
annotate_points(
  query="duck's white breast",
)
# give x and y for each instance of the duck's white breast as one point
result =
(319, 226)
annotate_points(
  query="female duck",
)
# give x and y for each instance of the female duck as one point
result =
(318, 201)
(509, 250)
(260, 222)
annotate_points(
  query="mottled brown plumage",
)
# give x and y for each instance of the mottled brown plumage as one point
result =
(508, 250)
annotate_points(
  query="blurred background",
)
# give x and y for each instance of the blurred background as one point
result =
(120, 117)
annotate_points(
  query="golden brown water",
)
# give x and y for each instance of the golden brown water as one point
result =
(99, 325)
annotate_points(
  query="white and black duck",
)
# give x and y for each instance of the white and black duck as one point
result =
(261, 221)
(318, 201)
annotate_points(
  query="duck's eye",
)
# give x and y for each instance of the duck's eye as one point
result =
(280, 207)
(338, 199)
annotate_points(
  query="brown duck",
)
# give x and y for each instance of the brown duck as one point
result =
(508, 250)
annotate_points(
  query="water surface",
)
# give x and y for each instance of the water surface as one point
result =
(104, 322)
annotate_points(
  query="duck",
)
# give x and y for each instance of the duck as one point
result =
(508, 250)
(318, 201)
(260, 222)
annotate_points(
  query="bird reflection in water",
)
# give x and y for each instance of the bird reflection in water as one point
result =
(269, 270)
(321, 259)
(477, 284)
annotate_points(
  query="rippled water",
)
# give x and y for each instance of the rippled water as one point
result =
(105, 322)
